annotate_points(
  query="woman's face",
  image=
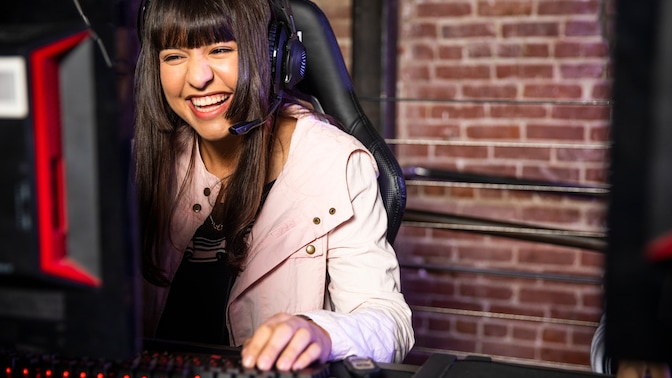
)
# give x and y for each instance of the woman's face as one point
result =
(199, 85)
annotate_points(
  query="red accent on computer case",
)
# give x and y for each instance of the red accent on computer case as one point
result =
(660, 248)
(49, 162)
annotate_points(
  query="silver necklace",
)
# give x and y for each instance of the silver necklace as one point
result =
(216, 226)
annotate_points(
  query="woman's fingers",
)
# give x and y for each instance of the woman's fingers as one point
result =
(286, 342)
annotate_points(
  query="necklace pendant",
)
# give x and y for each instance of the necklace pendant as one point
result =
(217, 227)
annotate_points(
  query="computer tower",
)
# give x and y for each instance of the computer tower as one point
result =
(67, 249)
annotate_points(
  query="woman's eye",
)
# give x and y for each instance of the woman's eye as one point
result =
(170, 58)
(221, 50)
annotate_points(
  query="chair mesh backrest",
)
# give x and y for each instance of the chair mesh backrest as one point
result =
(327, 79)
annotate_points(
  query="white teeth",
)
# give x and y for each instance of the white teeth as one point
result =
(208, 100)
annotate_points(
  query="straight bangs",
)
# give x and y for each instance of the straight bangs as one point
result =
(191, 24)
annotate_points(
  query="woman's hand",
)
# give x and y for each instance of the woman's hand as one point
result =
(289, 342)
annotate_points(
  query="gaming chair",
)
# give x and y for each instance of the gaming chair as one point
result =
(327, 79)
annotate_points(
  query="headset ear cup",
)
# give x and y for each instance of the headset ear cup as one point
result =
(295, 63)
(287, 57)
(277, 38)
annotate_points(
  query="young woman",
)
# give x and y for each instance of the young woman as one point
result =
(273, 240)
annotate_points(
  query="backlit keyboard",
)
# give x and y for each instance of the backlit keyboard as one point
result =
(145, 365)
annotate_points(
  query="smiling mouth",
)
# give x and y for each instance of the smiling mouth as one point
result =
(209, 103)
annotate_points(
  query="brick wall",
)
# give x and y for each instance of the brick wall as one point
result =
(515, 88)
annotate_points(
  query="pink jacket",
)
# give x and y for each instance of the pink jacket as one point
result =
(318, 249)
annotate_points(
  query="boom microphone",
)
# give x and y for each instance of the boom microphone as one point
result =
(244, 127)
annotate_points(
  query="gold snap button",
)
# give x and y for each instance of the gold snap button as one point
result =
(206, 191)
(316, 220)
(196, 208)
(310, 249)
(332, 211)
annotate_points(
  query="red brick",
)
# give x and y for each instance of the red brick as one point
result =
(593, 300)
(582, 28)
(503, 8)
(583, 49)
(555, 335)
(526, 71)
(600, 133)
(443, 323)
(522, 153)
(457, 111)
(516, 50)
(490, 91)
(582, 336)
(461, 193)
(581, 155)
(572, 313)
(524, 333)
(592, 259)
(491, 193)
(493, 168)
(467, 254)
(601, 91)
(493, 132)
(469, 30)
(559, 7)
(516, 309)
(597, 217)
(511, 350)
(546, 296)
(482, 291)
(421, 30)
(428, 287)
(436, 191)
(518, 111)
(462, 151)
(457, 304)
(495, 330)
(584, 112)
(482, 50)
(546, 257)
(586, 70)
(450, 52)
(536, 50)
(555, 132)
(432, 91)
(463, 72)
(421, 51)
(466, 327)
(555, 91)
(510, 50)
(443, 9)
(551, 215)
(443, 131)
(570, 355)
(412, 150)
(415, 73)
(531, 29)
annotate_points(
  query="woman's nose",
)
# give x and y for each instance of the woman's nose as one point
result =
(200, 73)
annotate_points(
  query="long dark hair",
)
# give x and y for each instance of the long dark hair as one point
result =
(190, 24)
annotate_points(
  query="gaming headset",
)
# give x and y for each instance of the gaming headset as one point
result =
(286, 51)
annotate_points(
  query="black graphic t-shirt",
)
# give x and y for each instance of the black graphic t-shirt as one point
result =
(196, 306)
